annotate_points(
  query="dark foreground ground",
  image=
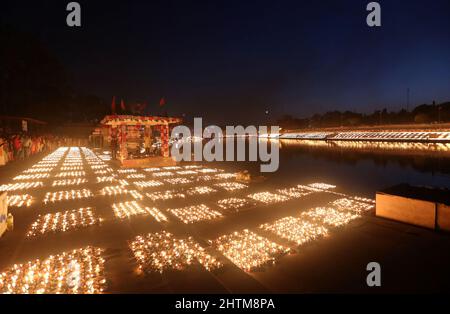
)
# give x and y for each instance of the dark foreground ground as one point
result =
(412, 259)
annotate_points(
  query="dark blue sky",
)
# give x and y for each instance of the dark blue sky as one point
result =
(218, 58)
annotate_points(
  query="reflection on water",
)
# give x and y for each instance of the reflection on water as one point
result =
(364, 167)
(359, 168)
(375, 147)
(425, 157)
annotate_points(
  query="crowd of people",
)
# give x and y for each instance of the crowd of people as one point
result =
(21, 146)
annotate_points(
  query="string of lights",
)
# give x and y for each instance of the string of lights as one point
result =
(226, 175)
(172, 168)
(163, 174)
(233, 204)
(21, 186)
(268, 197)
(322, 186)
(158, 252)
(192, 167)
(329, 216)
(248, 250)
(51, 197)
(209, 170)
(200, 190)
(113, 190)
(124, 171)
(176, 181)
(345, 204)
(151, 169)
(63, 221)
(157, 214)
(32, 176)
(71, 168)
(38, 170)
(294, 192)
(186, 172)
(195, 213)
(66, 182)
(20, 200)
(147, 184)
(165, 195)
(98, 166)
(132, 208)
(136, 176)
(231, 186)
(205, 178)
(136, 195)
(70, 174)
(295, 230)
(101, 172)
(72, 164)
(78, 271)
(103, 179)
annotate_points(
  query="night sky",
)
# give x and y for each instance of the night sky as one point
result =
(229, 61)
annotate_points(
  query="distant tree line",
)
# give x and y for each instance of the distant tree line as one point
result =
(433, 113)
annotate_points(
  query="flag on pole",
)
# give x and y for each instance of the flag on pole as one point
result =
(162, 101)
(113, 105)
(122, 105)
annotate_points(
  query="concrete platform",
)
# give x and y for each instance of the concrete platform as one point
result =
(421, 206)
(412, 259)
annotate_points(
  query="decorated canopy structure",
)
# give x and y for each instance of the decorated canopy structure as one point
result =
(116, 120)
(133, 132)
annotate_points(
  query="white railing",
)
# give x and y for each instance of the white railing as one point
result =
(431, 136)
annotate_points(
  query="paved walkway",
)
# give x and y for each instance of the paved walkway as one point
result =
(412, 259)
